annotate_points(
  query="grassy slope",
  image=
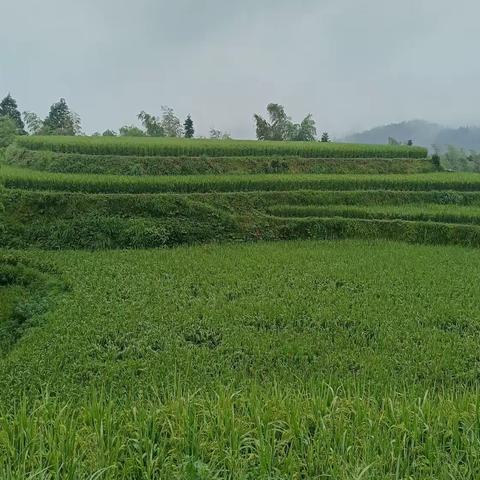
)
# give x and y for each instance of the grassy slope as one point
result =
(213, 148)
(426, 212)
(263, 326)
(13, 177)
(143, 165)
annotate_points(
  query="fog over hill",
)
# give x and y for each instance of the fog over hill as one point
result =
(421, 133)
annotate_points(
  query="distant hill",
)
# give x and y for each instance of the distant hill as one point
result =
(421, 133)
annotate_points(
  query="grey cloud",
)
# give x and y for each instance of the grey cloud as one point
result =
(351, 63)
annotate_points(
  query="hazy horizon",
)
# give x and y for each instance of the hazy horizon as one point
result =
(353, 66)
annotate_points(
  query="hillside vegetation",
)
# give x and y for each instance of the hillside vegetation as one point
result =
(234, 353)
(283, 360)
(213, 148)
(421, 133)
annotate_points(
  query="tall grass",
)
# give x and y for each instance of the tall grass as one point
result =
(423, 212)
(346, 360)
(254, 433)
(46, 160)
(24, 179)
(214, 148)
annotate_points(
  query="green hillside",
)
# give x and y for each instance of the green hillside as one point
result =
(206, 317)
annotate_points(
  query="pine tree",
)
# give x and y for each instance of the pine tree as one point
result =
(325, 137)
(8, 108)
(188, 127)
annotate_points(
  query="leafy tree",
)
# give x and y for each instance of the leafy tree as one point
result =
(96, 134)
(219, 135)
(152, 124)
(8, 130)
(325, 137)
(410, 143)
(8, 108)
(109, 133)
(188, 127)
(171, 123)
(61, 121)
(131, 131)
(280, 126)
(33, 122)
(307, 132)
(392, 141)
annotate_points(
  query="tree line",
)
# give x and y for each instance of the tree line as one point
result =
(61, 120)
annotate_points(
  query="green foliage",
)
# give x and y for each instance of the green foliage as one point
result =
(436, 161)
(170, 147)
(219, 135)
(33, 122)
(132, 165)
(28, 291)
(69, 220)
(272, 360)
(171, 123)
(325, 138)
(31, 180)
(8, 108)
(131, 131)
(109, 133)
(151, 124)
(303, 132)
(422, 212)
(8, 130)
(281, 126)
(188, 127)
(254, 433)
(61, 120)
(457, 159)
(168, 125)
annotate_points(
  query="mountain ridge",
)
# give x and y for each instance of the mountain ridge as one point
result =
(422, 133)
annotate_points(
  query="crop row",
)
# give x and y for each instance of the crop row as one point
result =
(24, 179)
(214, 148)
(60, 162)
(273, 360)
(434, 213)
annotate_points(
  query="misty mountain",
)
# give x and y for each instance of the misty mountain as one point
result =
(422, 133)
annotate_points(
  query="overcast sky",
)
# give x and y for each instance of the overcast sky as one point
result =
(353, 64)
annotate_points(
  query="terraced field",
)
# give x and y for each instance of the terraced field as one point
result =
(282, 353)
(90, 210)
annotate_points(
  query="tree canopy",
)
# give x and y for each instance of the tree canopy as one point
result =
(9, 108)
(61, 120)
(188, 127)
(281, 127)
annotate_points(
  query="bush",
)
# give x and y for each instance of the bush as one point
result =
(8, 130)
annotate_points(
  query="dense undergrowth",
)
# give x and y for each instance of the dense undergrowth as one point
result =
(58, 220)
(28, 290)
